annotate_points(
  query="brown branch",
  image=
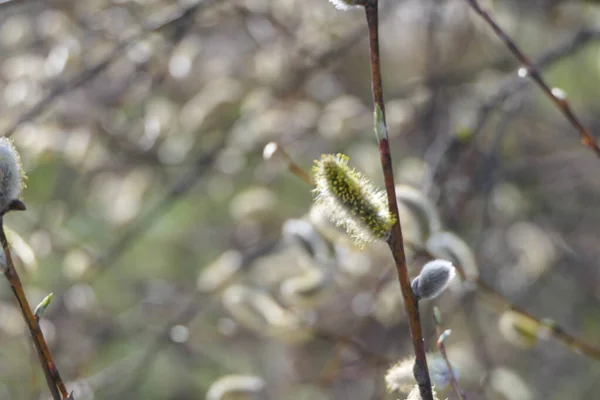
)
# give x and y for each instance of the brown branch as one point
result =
(395, 241)
(274, 149)
(559, 100)
(571, 342)
(55, 383)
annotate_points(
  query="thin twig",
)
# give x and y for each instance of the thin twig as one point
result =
(507, 88)
(274, 149)
(395, 241)
(55, 383)
(442, 348)
(534, 73)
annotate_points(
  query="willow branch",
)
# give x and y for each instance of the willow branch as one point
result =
(53, 379)
(441, 344)
(556, 96)
(395, 241)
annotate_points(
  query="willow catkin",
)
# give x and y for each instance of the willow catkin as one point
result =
(12, 177)
(433, 279)
(350, 200)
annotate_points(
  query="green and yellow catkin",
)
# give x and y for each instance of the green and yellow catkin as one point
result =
(350, 200)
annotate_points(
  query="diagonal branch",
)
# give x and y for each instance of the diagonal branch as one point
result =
(55, 383)
(529, 69)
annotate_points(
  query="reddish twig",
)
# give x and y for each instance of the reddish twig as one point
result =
(395, 241)
(442, 348)
(274, 149)
(55, 383)
(556, 96)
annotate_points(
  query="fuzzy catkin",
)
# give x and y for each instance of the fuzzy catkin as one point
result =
(350, 200)
(400, 377)
(11, 174)
(433, 279)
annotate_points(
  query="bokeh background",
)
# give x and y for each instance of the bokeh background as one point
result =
(142, 123)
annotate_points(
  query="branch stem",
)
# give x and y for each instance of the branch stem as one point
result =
(395, 241)
(53, 379)
(560, 101)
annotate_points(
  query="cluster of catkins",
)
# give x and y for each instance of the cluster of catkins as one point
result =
(325, 253)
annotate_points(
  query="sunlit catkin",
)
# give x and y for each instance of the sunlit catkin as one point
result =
(400, 377)
(350, 200)
(11, 174)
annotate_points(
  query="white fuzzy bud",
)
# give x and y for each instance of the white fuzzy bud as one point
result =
(344, 4)
(401, 378)
(559, 94)
(433, 279)
(11, 174)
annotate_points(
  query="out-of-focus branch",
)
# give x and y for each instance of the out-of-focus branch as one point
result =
(509, 87)
(529, 69)
(441, 344)
(142, 224)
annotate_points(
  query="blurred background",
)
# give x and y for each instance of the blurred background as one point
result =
(184, 265)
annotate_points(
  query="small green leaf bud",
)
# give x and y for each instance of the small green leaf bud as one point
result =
(41, 308)
(433, 279)
(437, 316)
(380, 127)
